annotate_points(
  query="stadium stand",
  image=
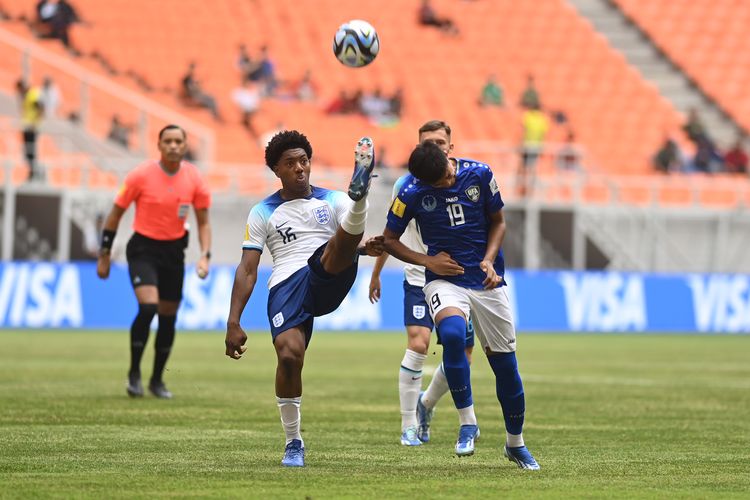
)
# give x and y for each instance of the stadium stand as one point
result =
(619, 118)
(707, 39)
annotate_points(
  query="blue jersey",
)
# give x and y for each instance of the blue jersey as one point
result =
(454, 220)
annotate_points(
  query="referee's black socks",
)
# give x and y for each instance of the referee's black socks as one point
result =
(139, 331)
(164, 341)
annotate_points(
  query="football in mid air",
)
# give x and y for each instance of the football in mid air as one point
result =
(356, 43)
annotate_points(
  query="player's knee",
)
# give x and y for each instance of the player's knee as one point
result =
(146, 312)
(453, 332)
(505, 367)
(419, 344)
(289, 357)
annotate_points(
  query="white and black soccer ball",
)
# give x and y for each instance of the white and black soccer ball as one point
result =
(356, 43)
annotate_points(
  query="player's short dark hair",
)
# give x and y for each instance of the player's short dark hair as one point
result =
(428, 163)
(434, 125)
(283, 141)
(172, 126)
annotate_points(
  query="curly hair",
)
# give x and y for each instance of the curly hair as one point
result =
(283, 141)
(428, 163)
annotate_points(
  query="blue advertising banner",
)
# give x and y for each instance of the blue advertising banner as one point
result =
(50, 295)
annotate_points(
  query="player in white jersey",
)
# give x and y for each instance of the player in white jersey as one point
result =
(417, 408)
(314, 236)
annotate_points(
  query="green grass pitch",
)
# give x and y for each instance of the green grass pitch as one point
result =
(631, 416)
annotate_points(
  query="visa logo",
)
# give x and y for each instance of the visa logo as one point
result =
(40, 295)
(604, 301)
(721, 303)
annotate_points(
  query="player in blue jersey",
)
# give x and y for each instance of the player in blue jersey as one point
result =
(417, 408)
(458, 209)
(314, 236)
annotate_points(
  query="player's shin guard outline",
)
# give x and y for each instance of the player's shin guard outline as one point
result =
(509, 390)
(455, 365)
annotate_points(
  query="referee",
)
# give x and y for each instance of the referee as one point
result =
(163, 192)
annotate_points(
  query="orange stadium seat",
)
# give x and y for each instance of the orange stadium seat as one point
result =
(708, 40)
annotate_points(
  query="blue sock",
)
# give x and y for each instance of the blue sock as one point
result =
(453, 337)
(509, 390)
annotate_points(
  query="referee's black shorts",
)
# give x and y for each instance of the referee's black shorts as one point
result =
(157, 263)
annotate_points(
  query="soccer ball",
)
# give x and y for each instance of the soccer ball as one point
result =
(356, 43)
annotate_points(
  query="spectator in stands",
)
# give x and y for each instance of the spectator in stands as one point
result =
(694, 127)
(119, 133)
(193, 92)
(50, 97)
(377, 108)
(397, 102)
(305, 89)
(55, 18)
(32, 111)
(265, 73)
(535, 125)
(244, 63)
(530, 97)
(669, 157)
(247, 98)
(428, 17)
(492, 93)
(569, 155)
(707, 158)
(344, 103)
(736, 159)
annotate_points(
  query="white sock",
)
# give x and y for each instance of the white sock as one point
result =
(514, 440)
(290, 417)
(437, 388)
(409, 384)
(466, 416)
(355, 219)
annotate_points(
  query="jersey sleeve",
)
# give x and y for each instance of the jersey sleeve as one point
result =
(493, 202)
(255, 228)
(202, 195)
(130, 189)
(400, 213)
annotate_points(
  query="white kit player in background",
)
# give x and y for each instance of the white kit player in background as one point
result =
(314, 236)
(417, 408)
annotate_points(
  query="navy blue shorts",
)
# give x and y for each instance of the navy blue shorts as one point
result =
(415, 308)
(417, 313)
(309, 292)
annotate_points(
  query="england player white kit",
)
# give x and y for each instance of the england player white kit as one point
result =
(296, 233)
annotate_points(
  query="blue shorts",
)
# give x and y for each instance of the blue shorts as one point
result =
(416, 312)
(309, 292)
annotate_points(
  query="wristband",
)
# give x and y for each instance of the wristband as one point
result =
(206, 254)
(108, 237)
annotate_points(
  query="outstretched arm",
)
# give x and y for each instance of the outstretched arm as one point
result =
(441, 264)
(244, 283)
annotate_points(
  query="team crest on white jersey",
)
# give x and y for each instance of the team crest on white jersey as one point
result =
(322, 214)
(473, 193)
(278, 320)
(429, 203)
(418, 312)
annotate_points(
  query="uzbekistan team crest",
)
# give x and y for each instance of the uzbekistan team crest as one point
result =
(418, 312)
(322, 214)
(429, 203)
(473, 193)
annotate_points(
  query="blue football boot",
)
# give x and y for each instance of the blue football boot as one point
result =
(364, 162)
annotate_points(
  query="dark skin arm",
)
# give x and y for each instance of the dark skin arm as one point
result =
(495, 237)
(204, 238)
(111, 223)
(441, 264)
(244, 283)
